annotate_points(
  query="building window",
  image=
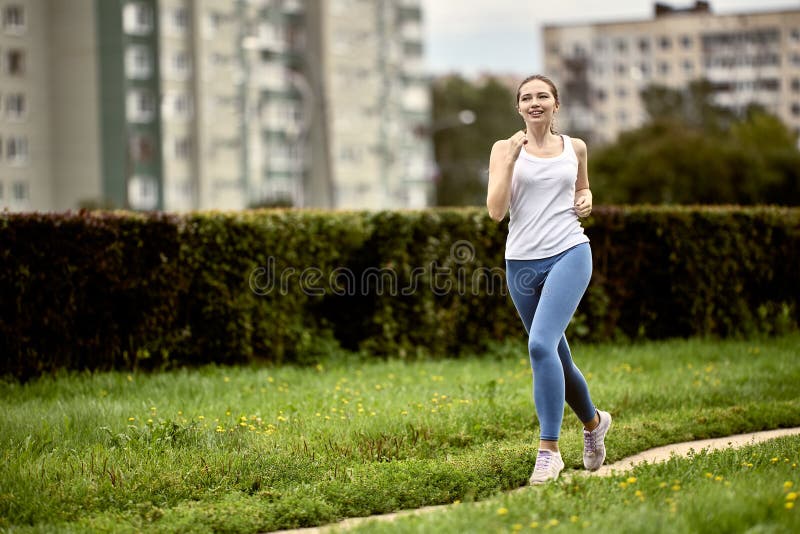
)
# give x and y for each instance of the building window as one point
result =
(622, 45)
(14, 19)
(686, 42)
(688, 66)
(17, 150)
(180, 64)
(15, 106)
(142, 193)
(644, 44)
(20, 192)
(177, 105)
(141, 148)
(796, 85)
(621, 69)
(796, 109)
(665, 42)
(180, 20)
(663, 68)
(622, 116)
(137, 18)
(213, 21)
(138, 62)
(15, 62)
(795, 60)
(622, 92)
(795, 34)
(140, 105)
(183, 148)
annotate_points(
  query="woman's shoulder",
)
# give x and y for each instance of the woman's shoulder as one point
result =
(579, 145)
(500, 146)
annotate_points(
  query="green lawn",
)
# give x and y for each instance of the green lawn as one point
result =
(255, 449)
(753, 489)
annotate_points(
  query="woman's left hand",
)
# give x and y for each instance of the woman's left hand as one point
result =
(583, 202)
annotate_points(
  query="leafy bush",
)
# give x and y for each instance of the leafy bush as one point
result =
(122, 290)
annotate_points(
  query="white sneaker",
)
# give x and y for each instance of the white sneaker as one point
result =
(594, 447)
(548, 465)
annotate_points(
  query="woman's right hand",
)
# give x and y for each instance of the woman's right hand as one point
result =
(515, 144)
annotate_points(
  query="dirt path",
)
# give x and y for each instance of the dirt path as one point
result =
(658, 454)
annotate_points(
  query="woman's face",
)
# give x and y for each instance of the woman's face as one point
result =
(536, 104)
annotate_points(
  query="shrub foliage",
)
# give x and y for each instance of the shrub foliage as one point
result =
(119, 290)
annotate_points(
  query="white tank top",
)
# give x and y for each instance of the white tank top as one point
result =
(542, 218)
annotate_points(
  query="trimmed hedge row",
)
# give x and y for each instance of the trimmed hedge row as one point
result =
(118, 290)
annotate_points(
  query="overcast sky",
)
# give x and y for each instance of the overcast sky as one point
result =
(503, 36)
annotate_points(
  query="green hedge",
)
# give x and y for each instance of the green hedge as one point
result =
(96, 290)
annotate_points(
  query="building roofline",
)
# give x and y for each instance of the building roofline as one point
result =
(677, 14)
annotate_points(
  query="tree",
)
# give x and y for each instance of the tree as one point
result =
(693, 151)
(462, 152)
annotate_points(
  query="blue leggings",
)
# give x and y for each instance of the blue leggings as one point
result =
(546, 293)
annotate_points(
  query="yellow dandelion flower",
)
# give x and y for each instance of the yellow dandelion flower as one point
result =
(502, 511)
(457, 501)
(718, 478)
(789, 505)
(226, 379)
(131, 419)
(534, 524)
(130, 378)
(773, 459)
(201, 417)
(149, 421)
(242, 424)
(791, 496)
(623, 485)
(270, 379)
(631, 480)
(516, 527)
(662, 485)
(709, 475)
(553, 522)
(788, 484)
(573, 519)
(372, 413)
(403, 412)
(676, 487)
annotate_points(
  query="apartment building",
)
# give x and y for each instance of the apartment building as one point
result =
(203, 104)
(601, 68)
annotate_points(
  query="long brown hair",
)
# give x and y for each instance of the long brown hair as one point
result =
(553, 89)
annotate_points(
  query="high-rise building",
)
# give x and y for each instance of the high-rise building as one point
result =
(204, 104)
(601, 68)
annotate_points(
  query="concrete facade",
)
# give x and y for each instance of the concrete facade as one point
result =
(600, 68)
(200, 104)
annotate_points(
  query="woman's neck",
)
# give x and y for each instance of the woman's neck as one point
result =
(539, 135)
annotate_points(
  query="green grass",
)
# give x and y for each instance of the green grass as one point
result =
(753, 489)
(256, 449)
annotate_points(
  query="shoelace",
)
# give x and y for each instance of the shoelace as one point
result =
(542, 461)
(588, 442)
